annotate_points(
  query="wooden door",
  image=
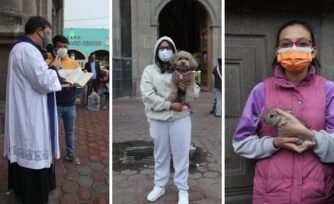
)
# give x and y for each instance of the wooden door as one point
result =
(206, 65)
(244, 56)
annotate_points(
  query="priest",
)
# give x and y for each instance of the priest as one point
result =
(31, 129)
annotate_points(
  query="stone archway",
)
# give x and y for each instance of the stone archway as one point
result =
(77, 53)
(101, 54)
(208, 7)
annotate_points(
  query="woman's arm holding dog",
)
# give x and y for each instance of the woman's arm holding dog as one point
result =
(150, 96)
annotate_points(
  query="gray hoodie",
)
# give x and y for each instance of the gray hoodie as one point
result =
(155, 88)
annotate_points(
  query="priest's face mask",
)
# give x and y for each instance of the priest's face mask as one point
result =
(44, 35)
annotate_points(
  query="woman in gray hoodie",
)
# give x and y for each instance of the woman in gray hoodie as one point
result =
(170, 127)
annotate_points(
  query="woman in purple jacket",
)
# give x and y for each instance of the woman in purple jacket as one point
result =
(287, 172)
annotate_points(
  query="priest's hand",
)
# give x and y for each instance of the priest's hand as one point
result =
(64, 81)
(56, 63)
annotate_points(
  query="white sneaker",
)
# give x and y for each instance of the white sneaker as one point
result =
(156, 193)
(183, 197)
(192, 147)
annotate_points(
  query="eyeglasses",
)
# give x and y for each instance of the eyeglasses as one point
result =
(165, 48)
(301, 42)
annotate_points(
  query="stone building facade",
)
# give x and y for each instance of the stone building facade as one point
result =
(13, 16)
(194, 25)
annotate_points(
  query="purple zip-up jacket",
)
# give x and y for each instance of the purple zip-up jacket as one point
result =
(282, 176)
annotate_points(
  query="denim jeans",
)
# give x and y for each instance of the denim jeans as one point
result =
(218, 94)
(104, 96)
(68, 113)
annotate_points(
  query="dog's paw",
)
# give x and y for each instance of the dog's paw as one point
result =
(189, 97)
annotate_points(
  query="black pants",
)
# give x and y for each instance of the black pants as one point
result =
(92, 84)
(31, 185)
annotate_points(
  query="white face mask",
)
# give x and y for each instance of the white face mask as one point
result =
(62, 52)
(165, 55)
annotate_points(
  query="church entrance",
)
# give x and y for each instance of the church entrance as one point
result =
(188, 24)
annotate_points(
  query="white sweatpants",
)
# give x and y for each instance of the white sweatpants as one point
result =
(171, 136)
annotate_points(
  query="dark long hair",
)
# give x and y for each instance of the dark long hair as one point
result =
(315, 62)
(160, 63)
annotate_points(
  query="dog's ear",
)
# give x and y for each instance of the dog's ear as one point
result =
(173, 61)
(193, 63)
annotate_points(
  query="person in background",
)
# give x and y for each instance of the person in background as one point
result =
(72, 55)
(92, 66)
(103, 84)
(218, 88)
(213, 110)
(170, 127)
(66, 97)
(286, 171)
(31, 133)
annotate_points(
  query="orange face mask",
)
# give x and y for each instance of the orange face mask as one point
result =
(294, 60)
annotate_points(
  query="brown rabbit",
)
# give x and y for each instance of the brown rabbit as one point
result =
(273, 118)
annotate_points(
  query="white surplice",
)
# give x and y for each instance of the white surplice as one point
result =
(27, 128)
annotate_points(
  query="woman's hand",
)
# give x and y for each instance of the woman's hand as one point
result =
(290, 134)
(293, 128)
(175, 106)
(290, 143)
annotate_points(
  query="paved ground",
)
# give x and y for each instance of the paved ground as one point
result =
(131, 185)
(87, 183)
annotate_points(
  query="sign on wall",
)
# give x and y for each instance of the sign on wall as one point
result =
(87, 40)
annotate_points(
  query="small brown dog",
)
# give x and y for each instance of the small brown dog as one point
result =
(183, 63)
